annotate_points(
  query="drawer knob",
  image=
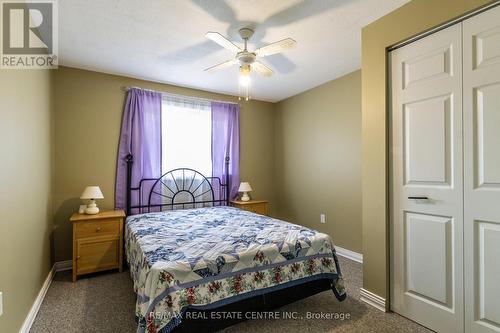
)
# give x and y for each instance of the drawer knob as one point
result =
(98, 229)
(78, 257)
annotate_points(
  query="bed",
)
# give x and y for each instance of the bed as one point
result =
(194, 259)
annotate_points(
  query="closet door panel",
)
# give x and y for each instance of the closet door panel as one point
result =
(426, 180)
(485, 136)
(481, 66)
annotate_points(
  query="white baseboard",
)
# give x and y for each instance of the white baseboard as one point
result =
(63, 265)
(30, 318)
(355, 256)
(372, 299)
(365, 296)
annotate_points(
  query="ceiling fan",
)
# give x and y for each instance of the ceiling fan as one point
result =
(245, 59)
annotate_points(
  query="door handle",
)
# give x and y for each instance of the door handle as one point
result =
(418, 198)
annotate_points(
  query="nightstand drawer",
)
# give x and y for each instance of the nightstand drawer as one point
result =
(257, 208)
(95, 254)
(108, 227)
(254, 206)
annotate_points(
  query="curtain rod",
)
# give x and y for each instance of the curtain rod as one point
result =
(164, 93)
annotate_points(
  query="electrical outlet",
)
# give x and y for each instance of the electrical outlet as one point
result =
(1, 303)
(322, 218)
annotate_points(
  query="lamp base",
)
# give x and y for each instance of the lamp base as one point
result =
(92, 208)
(245, 197)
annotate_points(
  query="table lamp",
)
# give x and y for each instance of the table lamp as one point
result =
(245, 188)
(91, 193)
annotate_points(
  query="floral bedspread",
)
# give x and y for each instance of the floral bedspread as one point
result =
(209, 257)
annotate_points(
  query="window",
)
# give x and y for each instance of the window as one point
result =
(186, 135)
(188, 142)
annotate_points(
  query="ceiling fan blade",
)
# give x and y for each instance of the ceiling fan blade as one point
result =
(222, 41)
(276, 47)
(262, 69)
(221, 65)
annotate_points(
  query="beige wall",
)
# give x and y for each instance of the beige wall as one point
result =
(88, 109)
(318, 159)
(25, 190)
(411, 19)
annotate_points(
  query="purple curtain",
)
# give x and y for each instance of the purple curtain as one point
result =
(226, 143)
(141, 137)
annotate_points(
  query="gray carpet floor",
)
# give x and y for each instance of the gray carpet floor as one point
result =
(105, 303)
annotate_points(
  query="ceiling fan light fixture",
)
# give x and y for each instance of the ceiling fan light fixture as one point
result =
(245, 81)
(245, 70)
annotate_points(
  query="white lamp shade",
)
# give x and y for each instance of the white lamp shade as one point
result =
(245, 187)
(92, 192)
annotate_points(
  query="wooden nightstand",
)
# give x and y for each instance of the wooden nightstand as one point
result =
(97, 242)
(256, 206)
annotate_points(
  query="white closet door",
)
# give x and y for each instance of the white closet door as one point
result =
(482, 171)
(427, 234)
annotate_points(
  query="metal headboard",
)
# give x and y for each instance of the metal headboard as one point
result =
(190, 186)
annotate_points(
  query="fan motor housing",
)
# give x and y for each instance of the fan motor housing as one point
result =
(245, 57)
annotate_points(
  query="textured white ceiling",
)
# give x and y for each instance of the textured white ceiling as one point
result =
(163, 40)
